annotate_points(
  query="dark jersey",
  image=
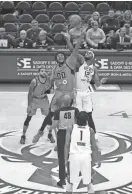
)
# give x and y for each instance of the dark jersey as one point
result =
(66, 117)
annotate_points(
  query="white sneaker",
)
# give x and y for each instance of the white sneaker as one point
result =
(91, 189)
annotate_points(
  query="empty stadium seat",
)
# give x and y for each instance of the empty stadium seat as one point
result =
(55, 8)
(71, 8)
(45, 27)
(24, 6)
(59, 39)
(38, 8)
(7, 7)
(86, 8)
(25, 18)
(57, 28)
(103, 8)
(42, 18)
(11, 28)
(58, 18)
(39, 5)
(24, 27)
(10, 18)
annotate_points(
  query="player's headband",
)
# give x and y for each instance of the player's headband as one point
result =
(90, 53)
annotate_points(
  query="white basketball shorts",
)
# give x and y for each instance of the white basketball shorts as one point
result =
(80, 163)
(84, 101)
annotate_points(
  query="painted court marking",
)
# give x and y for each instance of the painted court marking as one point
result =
(36, 167)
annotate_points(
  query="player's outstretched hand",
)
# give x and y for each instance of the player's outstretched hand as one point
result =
(103, 80)
(66, 35)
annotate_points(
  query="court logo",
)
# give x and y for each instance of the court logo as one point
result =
(24, 63)
(34, 168)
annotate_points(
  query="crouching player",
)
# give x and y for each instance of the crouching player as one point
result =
(37, 98)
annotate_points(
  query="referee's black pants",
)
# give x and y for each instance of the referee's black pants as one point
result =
(61, 137)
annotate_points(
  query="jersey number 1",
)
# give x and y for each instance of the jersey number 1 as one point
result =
(81, 135)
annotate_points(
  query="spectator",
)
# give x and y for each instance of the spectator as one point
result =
(127, 18)
(33, 32)
(127, 28)
(109, 37)
(120, 38)
(110, 23)
(131, 38)
(43, 41)
(5, 40)
(95, 36)
(75, 33)
(1, 21)
(76, 30)
(23, 41)
(95, 17)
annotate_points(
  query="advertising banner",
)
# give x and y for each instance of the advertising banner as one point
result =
(22, 67)
(115, 68)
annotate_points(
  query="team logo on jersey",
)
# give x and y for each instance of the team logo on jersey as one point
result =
(34, 168)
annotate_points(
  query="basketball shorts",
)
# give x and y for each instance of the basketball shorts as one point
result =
(83, 101)
(42, 104)
(56, 100)
(80, 163)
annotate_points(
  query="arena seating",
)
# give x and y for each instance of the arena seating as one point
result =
(51, 16)
(42, 18)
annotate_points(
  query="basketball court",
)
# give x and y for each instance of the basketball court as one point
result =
(33, 168)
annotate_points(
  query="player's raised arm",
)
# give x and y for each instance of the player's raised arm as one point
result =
(73, 58)
(31, 89)
(96, 78)
(68, 40)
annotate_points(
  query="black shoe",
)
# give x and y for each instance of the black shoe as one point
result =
(23, 139)
(50, 137)
(61, 183)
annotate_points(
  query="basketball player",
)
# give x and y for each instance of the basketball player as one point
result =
(82, 143)
(64, 119)
(64, 78)
(37, 98)
(86, 72)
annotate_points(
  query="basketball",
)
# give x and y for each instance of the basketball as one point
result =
(75, 20)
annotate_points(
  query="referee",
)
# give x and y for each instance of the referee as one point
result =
(64, 118)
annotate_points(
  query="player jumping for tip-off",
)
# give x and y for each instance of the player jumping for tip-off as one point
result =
(85, 73)
(64, 80)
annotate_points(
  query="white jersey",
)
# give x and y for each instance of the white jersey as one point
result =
(84, 77)
(80, 140)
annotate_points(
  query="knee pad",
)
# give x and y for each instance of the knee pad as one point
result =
(26, 123)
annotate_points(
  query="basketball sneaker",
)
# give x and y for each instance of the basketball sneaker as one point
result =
(23, 139)
(37, 136)
(61, 183)
(91, 189)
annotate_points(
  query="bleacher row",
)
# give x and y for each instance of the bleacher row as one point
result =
(51, 18)
(55, 7)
